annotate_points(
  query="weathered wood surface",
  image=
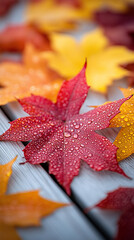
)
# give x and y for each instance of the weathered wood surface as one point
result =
(88, 188)
(66, 223)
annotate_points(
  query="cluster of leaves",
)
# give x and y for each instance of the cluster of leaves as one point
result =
(67, 58)
(58, 133)
(57, 15)
(62, 53)
(20, 209)
(61, 135)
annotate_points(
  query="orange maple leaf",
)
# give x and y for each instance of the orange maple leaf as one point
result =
(14, 38)
(19, 80)
(20, 209)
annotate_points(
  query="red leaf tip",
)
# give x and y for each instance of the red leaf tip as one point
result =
(85, 64)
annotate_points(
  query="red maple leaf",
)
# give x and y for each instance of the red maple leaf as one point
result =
(122, 199)
(126, 225)
(15, 37)
(118, 27)
(64, 137)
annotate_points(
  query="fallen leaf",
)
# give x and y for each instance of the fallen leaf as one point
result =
(6, 5)
(129, 67)
(103, 61)
(15, 37)
(125, 119)
(110, 18)
(19, 80)
(20, 209)
(50, 16)
(126, 225)
(25, 209)
(5, 173)
(118, 27)
(121, 199)
(62, 136)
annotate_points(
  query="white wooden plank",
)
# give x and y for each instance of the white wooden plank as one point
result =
(90, 187)
(66, 223)
(114, 92)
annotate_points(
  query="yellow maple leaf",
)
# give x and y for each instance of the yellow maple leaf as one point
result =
(125, 119)
(19, 80)
(49, 16)
(103, 61)
(20, 209)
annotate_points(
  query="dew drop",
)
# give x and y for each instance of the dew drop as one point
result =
(8, 174)
(77, 126)
(75, 135)
(67, 134)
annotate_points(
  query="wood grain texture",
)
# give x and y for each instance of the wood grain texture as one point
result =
(66, 223)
